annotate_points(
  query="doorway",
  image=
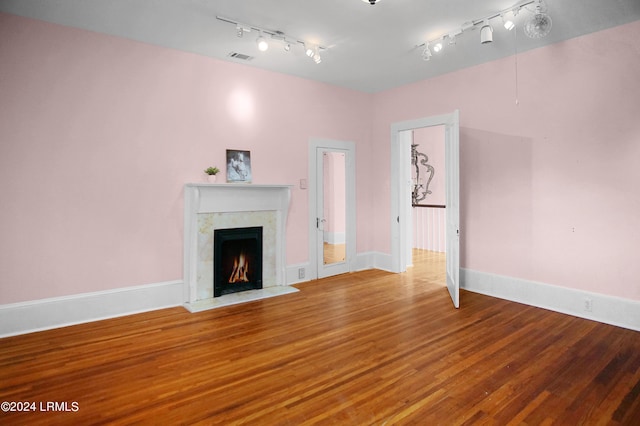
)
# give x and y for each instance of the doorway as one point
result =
(428, 201)
(332, 218)
(401, 200)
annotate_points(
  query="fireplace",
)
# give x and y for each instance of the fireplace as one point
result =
(209, 208)
(237, 260)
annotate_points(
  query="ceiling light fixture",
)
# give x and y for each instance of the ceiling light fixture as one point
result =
(507, 23)
(426, 53)
(437, 47)
(486, 33)
(371, 2)
(316, 55)
(537, 26)
(453, 36)
(266, 35)
(308, 50)
(262, 43)
(466, 26)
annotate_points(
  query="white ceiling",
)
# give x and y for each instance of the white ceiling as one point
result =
(370, 48)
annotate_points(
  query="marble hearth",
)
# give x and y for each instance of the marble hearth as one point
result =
(208, 207)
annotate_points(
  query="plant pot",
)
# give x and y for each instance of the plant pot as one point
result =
(211, 178)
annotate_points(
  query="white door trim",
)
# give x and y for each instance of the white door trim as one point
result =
(400, 181)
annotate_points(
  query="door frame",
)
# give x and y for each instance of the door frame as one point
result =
(350, 182)
(401, 205)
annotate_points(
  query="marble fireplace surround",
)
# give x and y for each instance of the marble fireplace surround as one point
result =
(208, 207)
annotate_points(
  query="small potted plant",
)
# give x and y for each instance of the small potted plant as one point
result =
(211, 174)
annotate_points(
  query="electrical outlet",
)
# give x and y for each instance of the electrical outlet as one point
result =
(300, 273)
(588, 305)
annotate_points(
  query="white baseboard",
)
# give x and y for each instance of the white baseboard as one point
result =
(363, 261)
(45, 314)
(606, 309)
(373, 260)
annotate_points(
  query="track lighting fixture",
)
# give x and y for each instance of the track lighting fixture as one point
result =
(426, 53)
(266, 36)
(262, 43)
(466, 26)
(507, 23)
(453, 37)
(308, 50)
(486, 33)
(538, 25)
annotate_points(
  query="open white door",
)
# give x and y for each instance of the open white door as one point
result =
(401, 206)
(452, 189)
(332, 207)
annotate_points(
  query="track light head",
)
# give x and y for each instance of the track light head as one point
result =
(309, 51)
(262, 43)
(486, 33)
(426, 53)
(508, 23)
(437, 47)
(453, 37)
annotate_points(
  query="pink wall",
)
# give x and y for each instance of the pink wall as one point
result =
(549, 186)
(99, 135)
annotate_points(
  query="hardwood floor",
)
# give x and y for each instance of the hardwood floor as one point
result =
(368, 348)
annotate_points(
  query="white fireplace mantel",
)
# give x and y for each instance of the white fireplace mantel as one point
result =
(216, 206)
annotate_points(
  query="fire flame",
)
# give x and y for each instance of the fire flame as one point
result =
(240, 270)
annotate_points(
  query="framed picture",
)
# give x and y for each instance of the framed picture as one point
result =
(238, 166)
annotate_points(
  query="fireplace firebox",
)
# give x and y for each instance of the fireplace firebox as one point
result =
(237, 260)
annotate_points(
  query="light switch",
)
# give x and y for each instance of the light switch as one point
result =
(303, 184)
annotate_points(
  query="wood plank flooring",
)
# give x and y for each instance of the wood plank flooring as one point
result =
(368, 348)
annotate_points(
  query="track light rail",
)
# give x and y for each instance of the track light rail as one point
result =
(475, 22)
(273, 34)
